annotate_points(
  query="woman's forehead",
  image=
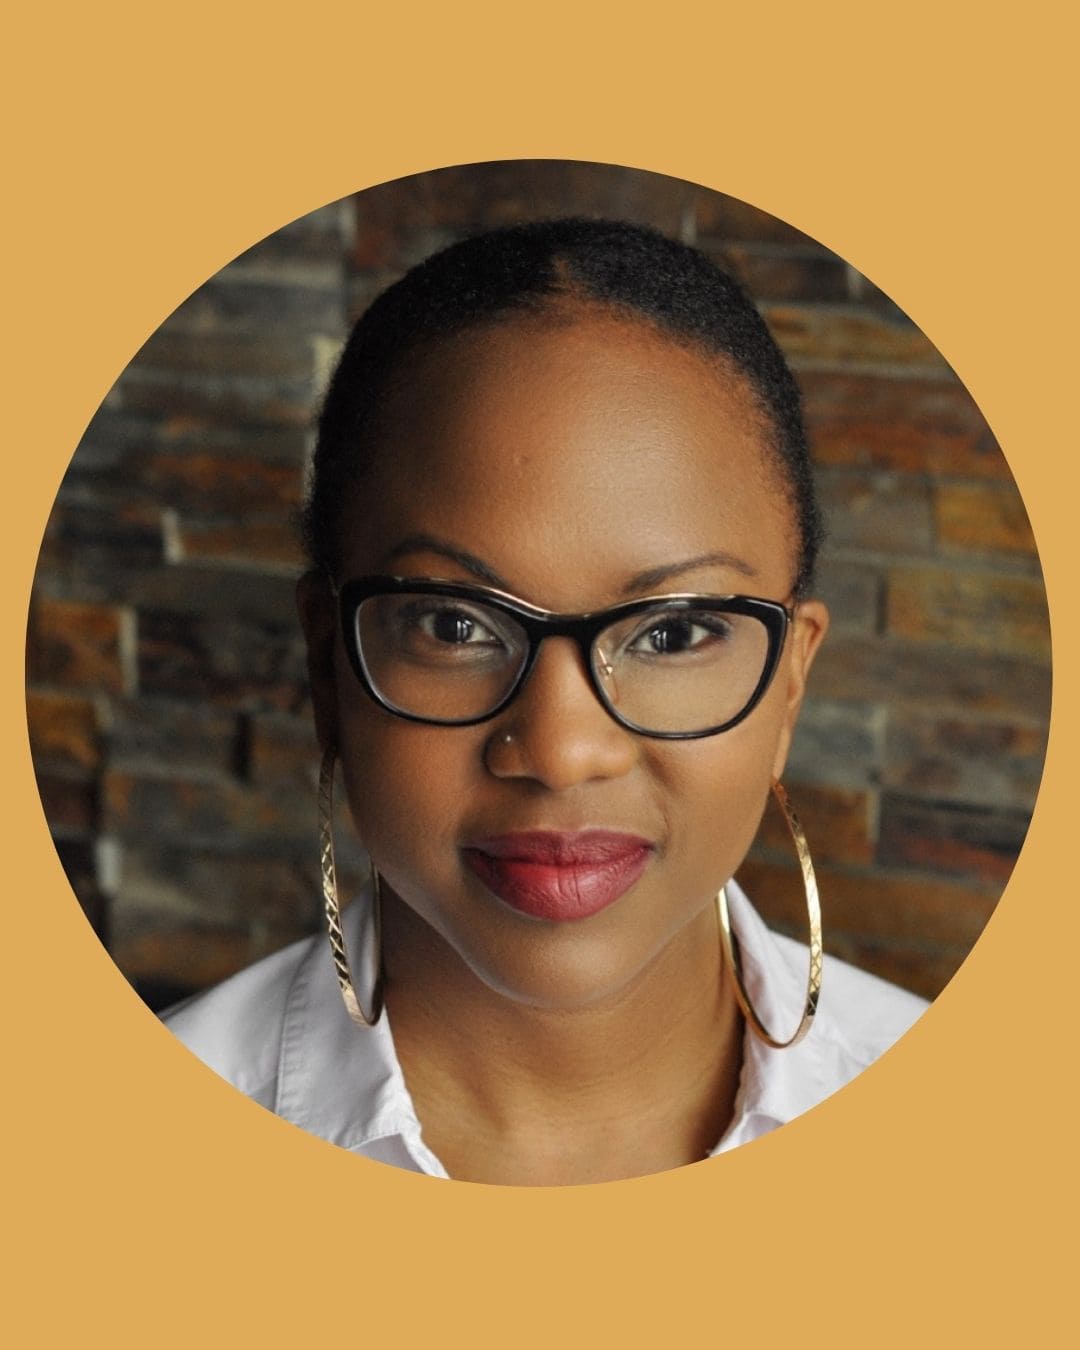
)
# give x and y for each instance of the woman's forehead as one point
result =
(600, 444)
(602, 380)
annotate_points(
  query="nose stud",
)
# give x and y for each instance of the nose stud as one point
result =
(498, 743)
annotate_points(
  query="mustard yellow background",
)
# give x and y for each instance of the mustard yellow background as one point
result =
(149, 1204)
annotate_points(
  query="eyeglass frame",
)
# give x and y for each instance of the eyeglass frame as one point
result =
(583, 629)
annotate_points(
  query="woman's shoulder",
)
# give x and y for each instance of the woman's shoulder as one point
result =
(235, 1027)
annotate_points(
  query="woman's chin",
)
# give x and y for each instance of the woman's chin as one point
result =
(532, 964)
(563, 977)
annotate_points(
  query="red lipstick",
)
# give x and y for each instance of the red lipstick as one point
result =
(559, 876)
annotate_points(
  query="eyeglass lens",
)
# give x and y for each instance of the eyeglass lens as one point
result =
(664, 669)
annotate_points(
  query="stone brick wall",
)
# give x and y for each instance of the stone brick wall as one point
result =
(169, 718)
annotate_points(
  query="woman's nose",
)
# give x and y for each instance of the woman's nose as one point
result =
(557, 731)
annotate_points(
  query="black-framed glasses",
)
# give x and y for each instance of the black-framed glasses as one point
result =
(675, 667)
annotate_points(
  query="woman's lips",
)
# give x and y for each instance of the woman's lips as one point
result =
(559, 876)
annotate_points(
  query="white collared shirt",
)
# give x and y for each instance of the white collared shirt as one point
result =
(279, 1032)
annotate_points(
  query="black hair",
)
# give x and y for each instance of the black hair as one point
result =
(533, 269)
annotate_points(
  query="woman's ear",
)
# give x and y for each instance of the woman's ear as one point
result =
(318, 618)
(808, 629)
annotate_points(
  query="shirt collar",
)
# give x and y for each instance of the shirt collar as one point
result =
(344, 1083)
(339, 1081)
(775, 1085)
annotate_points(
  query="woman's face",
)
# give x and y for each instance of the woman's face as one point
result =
(568, 459)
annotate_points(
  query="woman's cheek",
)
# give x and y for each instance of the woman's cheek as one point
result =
(405, 787)
(721, 793)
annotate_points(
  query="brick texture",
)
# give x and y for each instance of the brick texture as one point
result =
(983, 518)
(778, 272)
(168, 707)
(70, 803)
(64, 731)
(953, 839)
(916, 423)
(841, 822)
(79, 645)
(964, 759)
(225, 661)
(936, 677)
(984, 611)
(879, 512)
(824, 335)
(893, 924)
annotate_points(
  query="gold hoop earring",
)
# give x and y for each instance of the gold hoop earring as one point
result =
(333, 909)
(813, 911)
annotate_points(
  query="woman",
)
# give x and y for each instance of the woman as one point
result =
(559, 624)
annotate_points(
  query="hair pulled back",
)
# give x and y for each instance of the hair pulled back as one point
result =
(532, 269)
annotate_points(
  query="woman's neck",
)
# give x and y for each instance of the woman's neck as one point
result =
(640, 1082)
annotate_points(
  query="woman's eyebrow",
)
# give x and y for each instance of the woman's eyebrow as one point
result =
(648, 580)
(655, 576)
(429, 543)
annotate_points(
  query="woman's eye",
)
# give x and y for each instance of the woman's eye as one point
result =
(678, 633)
(455, 627)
